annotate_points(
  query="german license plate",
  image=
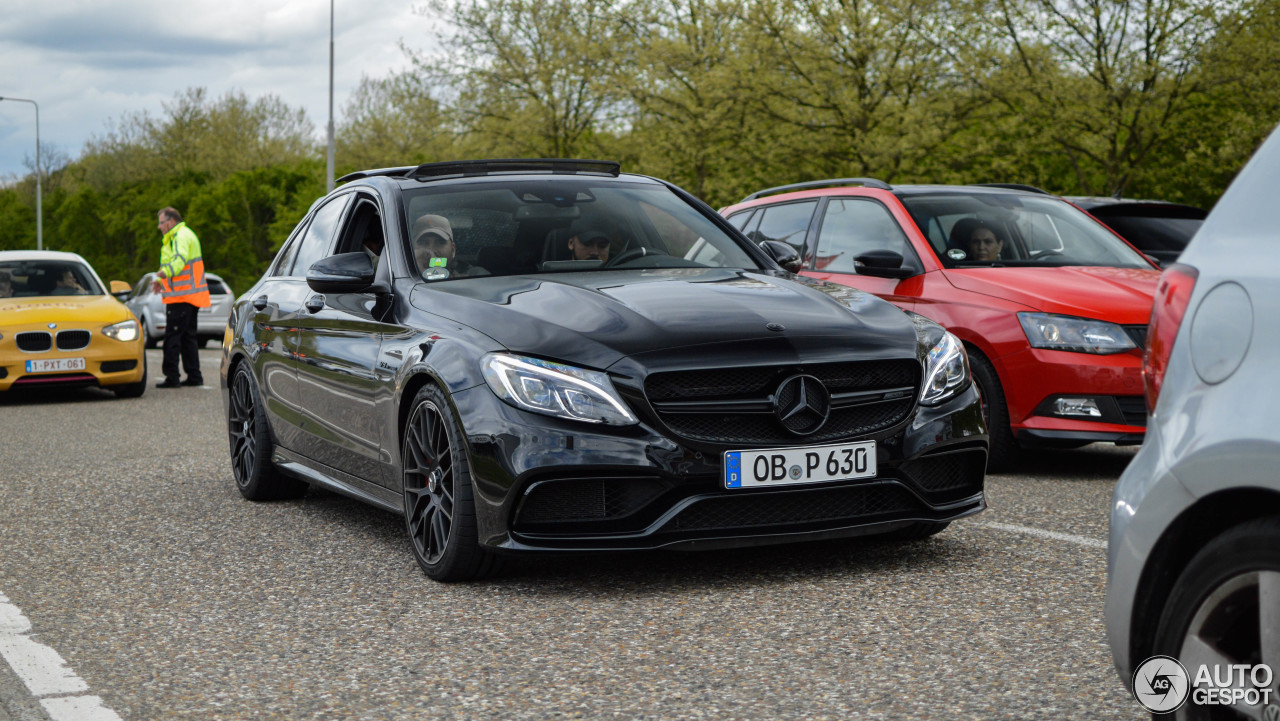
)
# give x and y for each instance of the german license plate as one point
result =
(55, 365)
(796, 466)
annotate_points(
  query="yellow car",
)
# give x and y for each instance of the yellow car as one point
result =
(60, 327)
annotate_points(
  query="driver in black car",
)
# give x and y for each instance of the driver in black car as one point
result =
(590, 245)
(433, 246)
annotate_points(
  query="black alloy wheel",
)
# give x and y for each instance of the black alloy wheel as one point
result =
(438, 508)
(256, 477)
(1003, 451)
(1225, 610)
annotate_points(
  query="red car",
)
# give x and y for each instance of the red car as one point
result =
(1051, 304)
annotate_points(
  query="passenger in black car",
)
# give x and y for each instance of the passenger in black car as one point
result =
(590, 245)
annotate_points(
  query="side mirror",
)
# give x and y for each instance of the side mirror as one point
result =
(882, 264)
(783, 254)
(341, 273)
(120, 289)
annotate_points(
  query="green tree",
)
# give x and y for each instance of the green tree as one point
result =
(243, 220)
(1220, 127)
(863, 84)
(393, 121)
(200, 136)
(688, 69)
(526, 75)
(1099, 80)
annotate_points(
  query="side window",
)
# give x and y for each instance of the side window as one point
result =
(363, 228)
(284, 261)
(851, 227)
(318, 240)
(739, 219)
(142, 286)
(787, 223)
(216, 287)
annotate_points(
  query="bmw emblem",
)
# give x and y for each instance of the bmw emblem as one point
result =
(52, 326)
(776, 327)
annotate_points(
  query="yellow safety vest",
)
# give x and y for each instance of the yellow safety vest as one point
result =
(181, 273)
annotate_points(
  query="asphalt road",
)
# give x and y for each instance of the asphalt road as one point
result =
(127, 549)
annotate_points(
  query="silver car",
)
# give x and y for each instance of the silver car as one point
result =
(149, 308)
(1194, 559)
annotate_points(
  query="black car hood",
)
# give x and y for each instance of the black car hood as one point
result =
(594, 319)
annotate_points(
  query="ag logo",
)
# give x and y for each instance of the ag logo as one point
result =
(1161, 684)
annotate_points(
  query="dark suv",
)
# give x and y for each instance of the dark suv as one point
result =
(552, 355)
(1159, 229)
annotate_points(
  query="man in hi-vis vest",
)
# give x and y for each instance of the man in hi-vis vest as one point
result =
(182, 286)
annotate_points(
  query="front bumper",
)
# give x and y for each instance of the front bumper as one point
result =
(550, 485)
(1033, 379)
(107, 362)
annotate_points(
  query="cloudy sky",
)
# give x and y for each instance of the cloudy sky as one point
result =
(89, 62)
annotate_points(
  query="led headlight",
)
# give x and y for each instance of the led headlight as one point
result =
(124, 331)
(1080, 335)
(555, 389)
(946, 370)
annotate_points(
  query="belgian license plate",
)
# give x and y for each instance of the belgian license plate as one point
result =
(55, 365)
(797, 466)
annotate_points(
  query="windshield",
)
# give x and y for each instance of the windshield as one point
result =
(33, 278)
(560, 225)
(986, 229)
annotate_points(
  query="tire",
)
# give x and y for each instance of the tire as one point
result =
(250, 439)
(1227, 592)
(203, 341)
(134, 390)
(1003, 451)
(917, 531)
(148, 340)
(439, 510)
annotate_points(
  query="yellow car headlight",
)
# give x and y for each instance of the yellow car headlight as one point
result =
(124, 332)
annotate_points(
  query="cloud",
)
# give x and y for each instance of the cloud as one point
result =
(89, 63)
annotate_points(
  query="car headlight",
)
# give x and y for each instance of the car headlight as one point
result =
(1080, 335)
(946, 370)
(124, 331)
(555, 389)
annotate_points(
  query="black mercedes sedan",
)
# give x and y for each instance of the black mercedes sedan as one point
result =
(551, 355)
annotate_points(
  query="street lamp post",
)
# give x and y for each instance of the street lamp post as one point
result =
(329, 163)
(39, 213)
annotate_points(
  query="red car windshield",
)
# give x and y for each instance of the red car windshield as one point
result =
(999, 229)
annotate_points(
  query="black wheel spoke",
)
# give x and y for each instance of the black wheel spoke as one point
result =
(439, 533)
(241, 429)
(428, 483)
(441, 446)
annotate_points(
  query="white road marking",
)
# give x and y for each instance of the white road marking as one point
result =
(1069, 538)
(45, 672)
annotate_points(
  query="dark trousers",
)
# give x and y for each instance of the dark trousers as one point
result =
(180, 340)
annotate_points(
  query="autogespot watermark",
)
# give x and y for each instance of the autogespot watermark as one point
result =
(1162, 685)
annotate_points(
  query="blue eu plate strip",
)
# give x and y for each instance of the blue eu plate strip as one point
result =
(733, 470)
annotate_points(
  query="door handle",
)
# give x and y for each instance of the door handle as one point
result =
(260, 302)
(315, 303)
